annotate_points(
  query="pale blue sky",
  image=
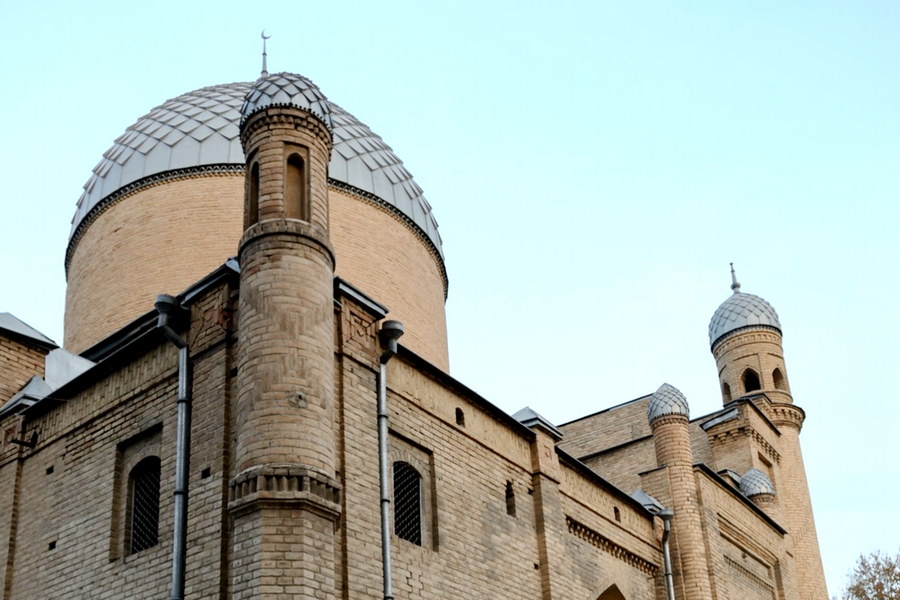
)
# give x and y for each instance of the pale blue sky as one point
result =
(593, 166)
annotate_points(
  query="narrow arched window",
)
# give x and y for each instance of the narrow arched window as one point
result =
(510, 499)
(778, 379)
(143, 505)
(726, 392)
(296, 205)
(253, 197)
(750, 380)
(407, 503)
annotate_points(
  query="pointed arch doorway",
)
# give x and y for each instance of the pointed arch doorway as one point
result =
(611, 593)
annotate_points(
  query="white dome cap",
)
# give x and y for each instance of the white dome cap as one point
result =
(739, 311)
(756, 483)
(667, 400)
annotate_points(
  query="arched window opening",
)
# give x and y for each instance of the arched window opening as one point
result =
(407, 503)
(617, 514)
(726, 392)
(778, 378)
(510, 499)
(611, 593)
(295, 202)
(751, 381)
(253, 192)
(460, 417)
(143, 505)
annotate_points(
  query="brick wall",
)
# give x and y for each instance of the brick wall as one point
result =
(19, 362)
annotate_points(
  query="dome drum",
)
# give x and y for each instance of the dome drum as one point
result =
(173, 186)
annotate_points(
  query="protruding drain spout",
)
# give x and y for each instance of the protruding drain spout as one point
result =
(388, 335)
(168, 307)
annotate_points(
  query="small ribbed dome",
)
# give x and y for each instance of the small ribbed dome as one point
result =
(756, 483)
(287, 89)
(667, 400)
(739, 311)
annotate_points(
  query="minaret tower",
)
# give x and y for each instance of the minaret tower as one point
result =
(284, 493)
(669, 417)
(745, 339)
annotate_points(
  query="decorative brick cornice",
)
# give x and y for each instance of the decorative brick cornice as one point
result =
(667, 420)
(583, 532)
(283, 485)
(736, 337)
(768, 448)
(300, 230)
(398, 214)
(134, 187)
(787, 415)
(284, 115)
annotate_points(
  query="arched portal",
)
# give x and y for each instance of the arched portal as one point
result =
(611, 593)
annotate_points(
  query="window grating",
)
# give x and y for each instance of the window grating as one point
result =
(407, 503)
(144, 505)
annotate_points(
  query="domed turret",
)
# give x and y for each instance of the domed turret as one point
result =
(667, 400)
(756, 483)
(745, 338)
(739, 311)
(287, 89)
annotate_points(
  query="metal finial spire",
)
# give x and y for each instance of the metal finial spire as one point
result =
(265, 71)
(734, 282)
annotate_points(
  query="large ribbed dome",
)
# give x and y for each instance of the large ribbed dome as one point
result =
(739, 311)
(199, 130)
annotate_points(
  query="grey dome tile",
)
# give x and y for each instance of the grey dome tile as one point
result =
(755, 483)
(288, 89)
(741, 310)
(667, 400)
(210, 116)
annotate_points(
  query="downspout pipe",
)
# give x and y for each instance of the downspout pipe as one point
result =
(388, 335)
(666, 516)
(168, 307)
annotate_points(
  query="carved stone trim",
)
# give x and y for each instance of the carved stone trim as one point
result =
(274, 485)
(583, 532)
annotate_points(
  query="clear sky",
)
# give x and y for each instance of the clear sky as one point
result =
(594, 167)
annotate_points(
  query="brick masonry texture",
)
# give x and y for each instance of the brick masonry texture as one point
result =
(284, 457)
(571, 536)
(164, 238)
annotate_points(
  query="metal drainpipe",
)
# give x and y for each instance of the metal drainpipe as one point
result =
(388, 335)
(666, 516)
(167, 305)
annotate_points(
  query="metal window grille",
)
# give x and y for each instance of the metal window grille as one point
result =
(144, 505)
(407, 503)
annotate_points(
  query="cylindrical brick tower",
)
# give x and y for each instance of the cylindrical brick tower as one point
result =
(668, 415)
(745, 339)
(284, 492)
